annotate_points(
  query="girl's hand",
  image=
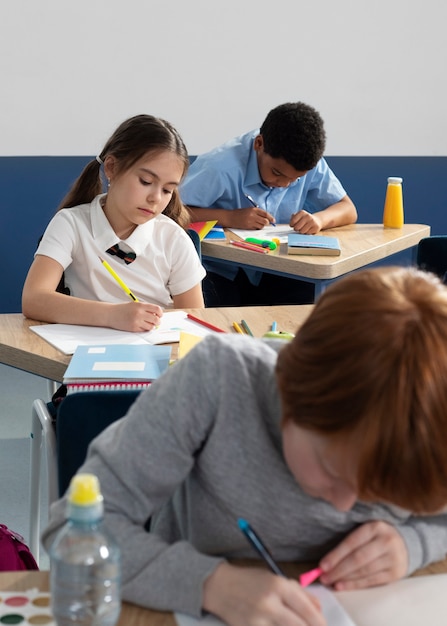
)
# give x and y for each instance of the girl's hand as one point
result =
(373, 554)
(305, 223)
(252, 596)
(136, 317)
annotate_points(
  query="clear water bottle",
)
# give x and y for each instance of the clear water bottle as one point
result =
(85, 576)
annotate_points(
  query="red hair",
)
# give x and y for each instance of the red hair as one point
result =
(371, 362)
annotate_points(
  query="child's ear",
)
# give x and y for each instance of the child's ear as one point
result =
(109, 166)
(258, 142)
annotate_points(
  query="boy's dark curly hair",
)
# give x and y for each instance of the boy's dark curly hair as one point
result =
(294, 132)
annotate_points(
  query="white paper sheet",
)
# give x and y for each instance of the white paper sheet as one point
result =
(280, 231)
(333, 612)
(66, 337)
(418, 601)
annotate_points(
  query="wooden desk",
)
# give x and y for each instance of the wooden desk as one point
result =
(21, 348)
(361, 245)
(132, 615)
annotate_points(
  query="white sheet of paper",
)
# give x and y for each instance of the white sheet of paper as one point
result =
(418, 601)
(333, 612)
(66, 337)
(280, 231)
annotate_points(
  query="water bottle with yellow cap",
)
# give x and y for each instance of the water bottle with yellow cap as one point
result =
(85, 576)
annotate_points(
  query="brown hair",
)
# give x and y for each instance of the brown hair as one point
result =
(132, 140)
(371, 361)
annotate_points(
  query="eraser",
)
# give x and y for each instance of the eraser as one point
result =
(308, 577)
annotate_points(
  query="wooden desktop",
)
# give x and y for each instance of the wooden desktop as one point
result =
(361, 245)
(21, 348)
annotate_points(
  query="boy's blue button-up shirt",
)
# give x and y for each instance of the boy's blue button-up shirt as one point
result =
(221, 178)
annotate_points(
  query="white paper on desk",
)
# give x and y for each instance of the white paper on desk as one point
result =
(172, 323)
(417, 601)
(66, 337)
(280, 231)
(333, 612)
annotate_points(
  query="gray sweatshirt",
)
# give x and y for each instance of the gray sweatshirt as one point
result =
(199, 449)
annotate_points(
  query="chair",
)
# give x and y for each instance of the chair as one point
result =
(196, 241)
(431, 254)
(81, 417)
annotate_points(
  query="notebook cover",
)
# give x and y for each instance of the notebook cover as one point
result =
(313, 244)
(119, 362)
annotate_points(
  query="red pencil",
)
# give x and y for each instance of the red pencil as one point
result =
(203, 323)
(248, 246)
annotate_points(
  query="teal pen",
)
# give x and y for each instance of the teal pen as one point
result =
(255, 204)
(274, 326)
(259, 546)
(246, 327)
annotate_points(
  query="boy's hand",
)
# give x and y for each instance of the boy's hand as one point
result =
(252, 596)
(252, 218)
(373, 554)
(305, 223)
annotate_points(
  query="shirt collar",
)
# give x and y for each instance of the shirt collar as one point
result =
(106, 237)
(252, 176)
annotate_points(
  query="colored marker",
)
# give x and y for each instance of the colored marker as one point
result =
(203, 323)
(255, 204)
(248, 246)
(308, 577)
(274, 327)
(237, 328)
(120, 282)
(259, 546)
(264, 243)
(246, 327)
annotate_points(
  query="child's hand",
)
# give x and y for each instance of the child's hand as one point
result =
(250, 596)
(373, 554)
(136, 317)
(305, 223)
(252, 218)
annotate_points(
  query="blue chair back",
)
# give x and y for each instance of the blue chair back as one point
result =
(432, 254)
(81, 417)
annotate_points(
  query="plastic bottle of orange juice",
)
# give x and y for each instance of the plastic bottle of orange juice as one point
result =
(393, 212)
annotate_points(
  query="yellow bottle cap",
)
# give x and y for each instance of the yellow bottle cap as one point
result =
(84, 490)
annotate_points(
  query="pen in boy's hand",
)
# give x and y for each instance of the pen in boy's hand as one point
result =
(255, 204)
(259, 546)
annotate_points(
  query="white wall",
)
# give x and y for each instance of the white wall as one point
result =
(71, 71)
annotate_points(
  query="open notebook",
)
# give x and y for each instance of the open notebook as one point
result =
(418, 601)
(66, 337)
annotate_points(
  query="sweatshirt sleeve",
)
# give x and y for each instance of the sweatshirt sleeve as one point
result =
(140, 460)
(426, 540)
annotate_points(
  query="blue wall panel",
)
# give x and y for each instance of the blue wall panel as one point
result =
(32, 187)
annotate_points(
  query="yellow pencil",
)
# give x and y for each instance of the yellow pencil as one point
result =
(237, 328)
(120, 282)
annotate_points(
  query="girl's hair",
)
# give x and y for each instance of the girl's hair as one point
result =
(370, 365)
(132, 140)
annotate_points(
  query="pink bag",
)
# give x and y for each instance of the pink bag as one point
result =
(14, 553)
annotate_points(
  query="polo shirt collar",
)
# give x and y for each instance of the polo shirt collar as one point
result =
(106, 237)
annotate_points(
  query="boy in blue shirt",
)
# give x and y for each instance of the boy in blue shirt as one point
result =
(281, 167)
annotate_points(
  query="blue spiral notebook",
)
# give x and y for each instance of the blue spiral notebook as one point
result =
(113, 363)
(313, 244)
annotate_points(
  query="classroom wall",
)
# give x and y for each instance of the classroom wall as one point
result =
(70, 72)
